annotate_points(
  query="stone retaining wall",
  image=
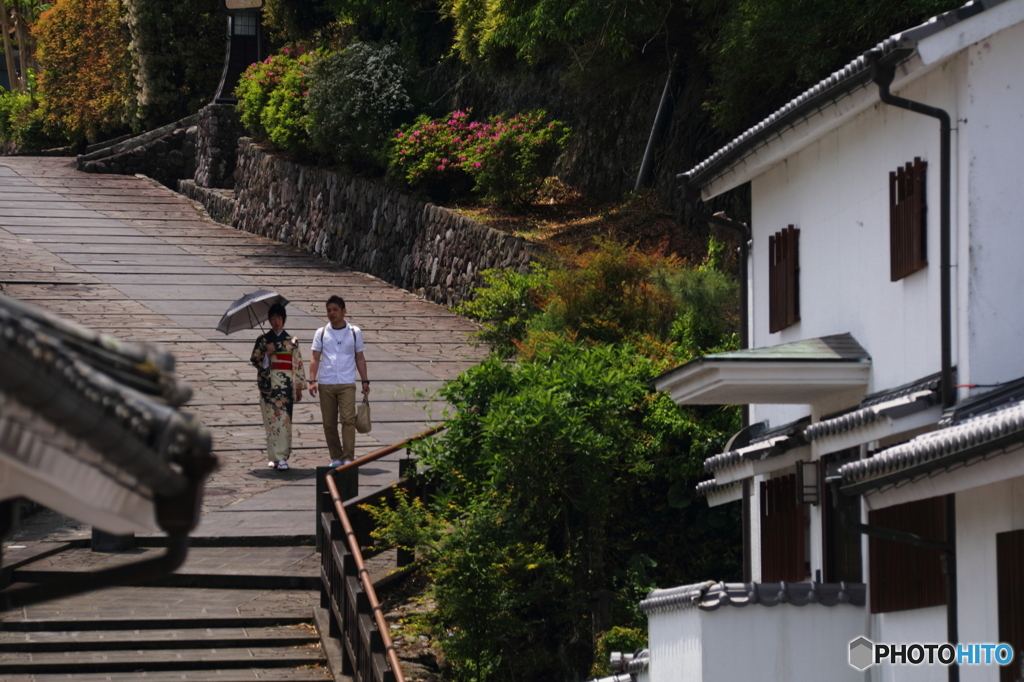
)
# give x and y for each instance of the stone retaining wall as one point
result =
(219, 203)
(167, 154)
(217, 146)
(369, 227)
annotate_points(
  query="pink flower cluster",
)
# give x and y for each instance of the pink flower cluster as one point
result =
(501, 146)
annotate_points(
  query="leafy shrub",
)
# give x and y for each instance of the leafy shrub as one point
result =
(87, 87)
(507, 158)
(21, 122)
(626, 640)
(272, 96)
(506, 304)
(610, 294)
(356, 98)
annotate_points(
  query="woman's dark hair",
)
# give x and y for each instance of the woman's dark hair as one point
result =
(277, 309)
(336, 300)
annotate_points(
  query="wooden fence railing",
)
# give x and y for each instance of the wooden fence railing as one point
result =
(346, 589)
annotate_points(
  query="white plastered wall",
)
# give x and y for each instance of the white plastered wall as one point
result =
(981, 514)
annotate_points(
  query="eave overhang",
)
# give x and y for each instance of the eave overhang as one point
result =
(973, 449)
(876, 422)
(804, 372)
(718, 494)
(847, 92)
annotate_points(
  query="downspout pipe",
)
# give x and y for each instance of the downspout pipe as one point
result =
(882, 74)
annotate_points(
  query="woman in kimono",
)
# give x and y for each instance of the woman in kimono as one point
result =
(281, 380)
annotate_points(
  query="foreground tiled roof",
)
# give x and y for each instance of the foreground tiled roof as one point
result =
(709, 596)
(854, 75)
(983, 435)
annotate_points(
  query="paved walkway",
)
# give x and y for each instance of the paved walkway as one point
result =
(128, 256)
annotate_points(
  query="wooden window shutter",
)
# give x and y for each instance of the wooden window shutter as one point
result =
(903, 576)
(908, 228)
(783, 279)
(783, 522)
(1010, 597)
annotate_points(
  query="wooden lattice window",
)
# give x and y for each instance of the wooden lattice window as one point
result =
(783, 532)
(783, 279)
(904, 576)
(908, 227)
(1010, 597)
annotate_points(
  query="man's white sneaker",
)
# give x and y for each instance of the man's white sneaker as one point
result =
(336, 463)
(282, 465)
(272, 465)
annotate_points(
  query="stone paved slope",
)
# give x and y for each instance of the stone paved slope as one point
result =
(126, 255)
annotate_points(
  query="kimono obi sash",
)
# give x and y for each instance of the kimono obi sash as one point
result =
(281, 360)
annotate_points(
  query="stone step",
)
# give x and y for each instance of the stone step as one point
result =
(112, 640)
(146, 608)
(140, 661)
(248, 675)
(192, 579)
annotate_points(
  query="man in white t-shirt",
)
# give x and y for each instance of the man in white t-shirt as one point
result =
(337, 356)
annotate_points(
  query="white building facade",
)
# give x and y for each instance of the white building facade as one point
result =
(862, 435)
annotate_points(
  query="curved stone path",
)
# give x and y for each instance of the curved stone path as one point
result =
(128, 256)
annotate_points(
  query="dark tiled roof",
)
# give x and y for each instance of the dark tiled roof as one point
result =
(838, 347)
(985, 402)
(855, 75)
(932, 382)
(768, 443)
(898, 407)
(117, 398)
(709, 487)
(640, 663)
(709, 596)
(983, 435)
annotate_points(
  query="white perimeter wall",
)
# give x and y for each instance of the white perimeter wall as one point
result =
(919, 625)
(781, 643)
(981, 513)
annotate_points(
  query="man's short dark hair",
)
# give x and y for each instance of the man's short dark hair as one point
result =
(338, 300)
(277, 309)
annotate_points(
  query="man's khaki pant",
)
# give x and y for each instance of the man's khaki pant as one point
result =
(339, 400)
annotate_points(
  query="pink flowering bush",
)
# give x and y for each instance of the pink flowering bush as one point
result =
(505, 158)
(272, 98)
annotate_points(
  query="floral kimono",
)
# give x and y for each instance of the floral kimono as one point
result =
(279, 376)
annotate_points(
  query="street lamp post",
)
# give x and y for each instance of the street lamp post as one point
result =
(245, 45)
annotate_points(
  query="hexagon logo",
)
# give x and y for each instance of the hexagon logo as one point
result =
(862, 653)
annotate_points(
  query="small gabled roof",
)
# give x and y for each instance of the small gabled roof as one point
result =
(800, 372)
(856, 75)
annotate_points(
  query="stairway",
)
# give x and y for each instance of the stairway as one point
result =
(230, 613)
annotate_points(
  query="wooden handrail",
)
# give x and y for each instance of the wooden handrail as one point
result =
(366, 459)
(364, 576)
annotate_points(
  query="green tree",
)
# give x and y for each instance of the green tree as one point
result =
(565, 485)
